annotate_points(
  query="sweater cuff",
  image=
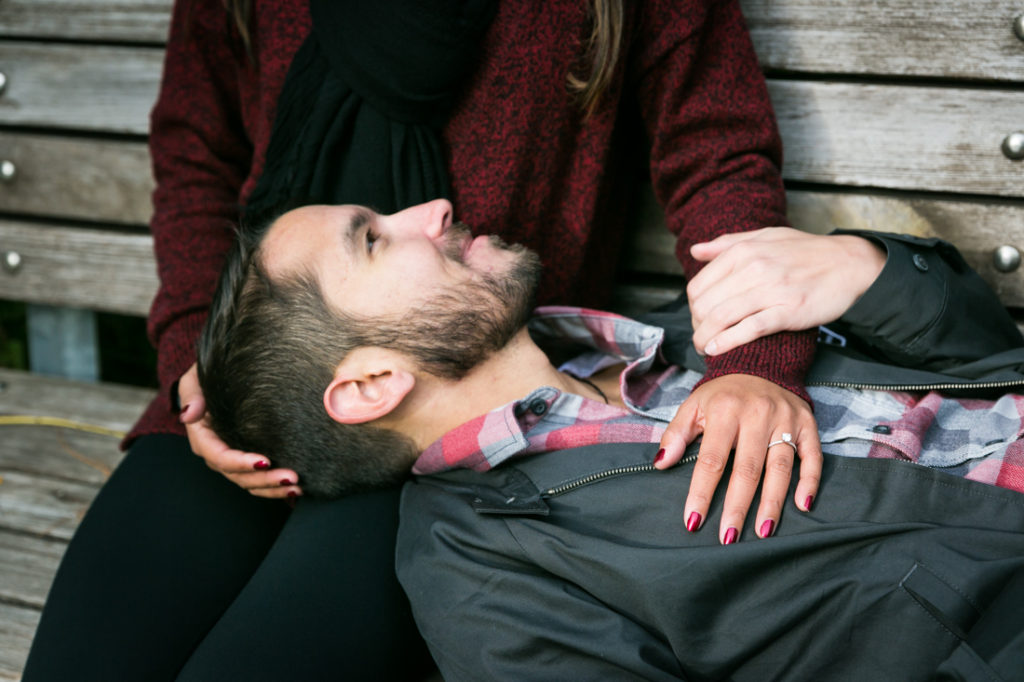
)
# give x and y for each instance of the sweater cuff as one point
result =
(782, 359)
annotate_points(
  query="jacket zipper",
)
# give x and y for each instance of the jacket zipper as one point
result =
(617, 471)
(919, 387)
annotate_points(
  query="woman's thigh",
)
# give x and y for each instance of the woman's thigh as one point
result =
(324, 604)
(164, 549)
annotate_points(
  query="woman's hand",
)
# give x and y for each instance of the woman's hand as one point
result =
(775, 279)
(746, 413)
(245, 469)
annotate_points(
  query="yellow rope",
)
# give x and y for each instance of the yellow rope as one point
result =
(28, 420)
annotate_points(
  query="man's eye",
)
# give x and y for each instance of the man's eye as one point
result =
(371, 239)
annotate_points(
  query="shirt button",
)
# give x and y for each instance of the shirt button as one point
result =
(920, 262)
(538, 407)
(881, 428)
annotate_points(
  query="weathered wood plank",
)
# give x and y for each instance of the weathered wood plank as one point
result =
(46, 507)
(117, 20)
(28, 565)
(79, 87)
(78, 267)
(17, 627)
(111, 406)
(900, 137)
(58, 453)
(978, 228)
(77, 178)
(942, 38)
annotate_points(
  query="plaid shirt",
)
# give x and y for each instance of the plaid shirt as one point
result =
(976, 439)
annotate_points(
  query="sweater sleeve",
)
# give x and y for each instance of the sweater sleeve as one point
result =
(715, 151)
(201, 155)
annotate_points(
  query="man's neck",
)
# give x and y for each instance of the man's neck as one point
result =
(437, 406)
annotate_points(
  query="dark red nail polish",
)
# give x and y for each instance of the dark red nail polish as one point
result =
(767, 527)
(808, 502)
(261, 465)
(693, 523)
(293, 493)
(660, 456)
(285, 481)
(730, 536)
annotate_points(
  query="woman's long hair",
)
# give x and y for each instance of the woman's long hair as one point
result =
(599, 59)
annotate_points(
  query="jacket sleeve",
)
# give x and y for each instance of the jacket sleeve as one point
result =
(715, 150)
(928, 308)
(201, 156)
(488, 612)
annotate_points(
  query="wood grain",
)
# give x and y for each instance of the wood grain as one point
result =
(900, 137)
(79, 87)
(28, 565)
(17, 626)
(78, 267)
(86, 179)
(941, 38)
(114, 20)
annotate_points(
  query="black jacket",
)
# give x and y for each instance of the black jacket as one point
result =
(574, 565)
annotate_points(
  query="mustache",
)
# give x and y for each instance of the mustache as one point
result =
(458, 233)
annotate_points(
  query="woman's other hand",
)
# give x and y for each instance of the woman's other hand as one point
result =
(246, 469)
(745, 413)
(775, 279)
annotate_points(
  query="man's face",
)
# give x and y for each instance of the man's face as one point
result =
(429, 288)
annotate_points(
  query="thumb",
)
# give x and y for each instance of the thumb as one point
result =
(708, 251)
(190, 396)
(681, 431)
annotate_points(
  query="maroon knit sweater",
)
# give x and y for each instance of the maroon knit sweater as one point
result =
(523, 162)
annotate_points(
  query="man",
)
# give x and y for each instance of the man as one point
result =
(367, 345)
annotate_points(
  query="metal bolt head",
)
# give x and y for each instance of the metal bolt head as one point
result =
(7, 171)
(1018, 26)
(1006, 259)
(1013, 146)
(11, 261)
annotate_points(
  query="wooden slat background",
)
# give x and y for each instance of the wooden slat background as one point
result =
(129, 21)
(885, 38)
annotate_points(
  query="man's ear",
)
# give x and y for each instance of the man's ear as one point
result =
(365, 389)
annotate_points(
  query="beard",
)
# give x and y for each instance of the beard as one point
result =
(456, 330)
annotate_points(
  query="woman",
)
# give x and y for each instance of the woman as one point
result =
(536, 113)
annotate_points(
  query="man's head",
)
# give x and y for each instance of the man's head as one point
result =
(325, 315)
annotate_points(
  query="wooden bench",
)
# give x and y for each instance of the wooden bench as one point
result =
(894, 118)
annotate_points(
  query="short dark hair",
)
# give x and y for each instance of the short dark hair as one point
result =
(268, 352)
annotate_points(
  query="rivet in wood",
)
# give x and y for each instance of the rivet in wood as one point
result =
(1006, 258)
(1013, 146)
(7, 171)
(11, 261)
(1018, 26)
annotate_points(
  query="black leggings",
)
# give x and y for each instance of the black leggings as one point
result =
(176, 573)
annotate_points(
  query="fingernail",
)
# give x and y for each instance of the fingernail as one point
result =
(730, 536)
(767, 527)
(285, 481)
(660, 456)
(693, 523)
(711, 348)
(293, 493)
(808, 502)
(261, 465)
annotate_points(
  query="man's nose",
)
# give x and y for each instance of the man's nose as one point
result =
(431, 219)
